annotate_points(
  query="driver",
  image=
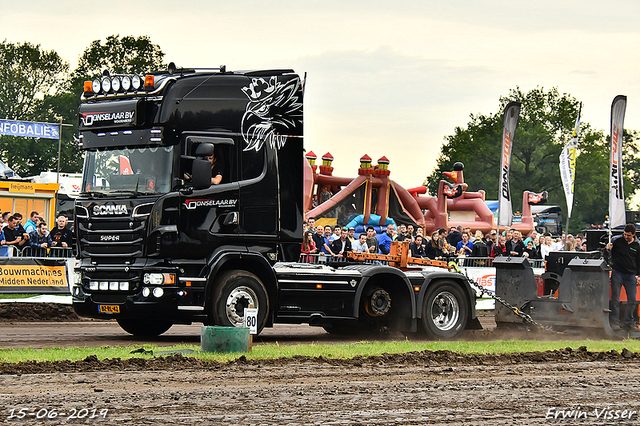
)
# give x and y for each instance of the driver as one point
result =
(216, 171)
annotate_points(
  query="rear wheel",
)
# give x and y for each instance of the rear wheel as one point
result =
(144, 327)
(236, 291)
(444, 311)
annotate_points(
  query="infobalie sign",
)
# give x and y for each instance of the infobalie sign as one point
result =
(29, 129)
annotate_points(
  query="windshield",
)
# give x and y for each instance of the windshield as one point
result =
(139, 170)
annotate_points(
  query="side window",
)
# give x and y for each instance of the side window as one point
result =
(224, 152)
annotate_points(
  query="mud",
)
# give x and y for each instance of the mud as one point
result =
(408, 389)
(568, 386)
(180, 362)
(54, 312)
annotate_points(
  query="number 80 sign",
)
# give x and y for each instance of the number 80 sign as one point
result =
(251, 320)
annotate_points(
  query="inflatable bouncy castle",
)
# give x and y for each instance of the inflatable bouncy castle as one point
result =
(372, 198)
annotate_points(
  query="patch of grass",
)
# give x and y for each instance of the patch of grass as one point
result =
(346, 350)
(16, 296)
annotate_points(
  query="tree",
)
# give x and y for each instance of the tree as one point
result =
(35, 85)
(29, 78)
(118, 55)
(128, 55)
(545, 125)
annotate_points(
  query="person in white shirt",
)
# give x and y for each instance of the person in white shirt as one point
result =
(558, 245)
(360, 245)
(546, 247)
(337, 230)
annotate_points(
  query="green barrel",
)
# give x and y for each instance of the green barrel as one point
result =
(214, 338)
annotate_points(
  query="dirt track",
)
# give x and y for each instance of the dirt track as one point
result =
(409, 389)
(416, 388)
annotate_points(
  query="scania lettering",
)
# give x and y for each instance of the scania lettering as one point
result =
(160, 244)
(109, 209)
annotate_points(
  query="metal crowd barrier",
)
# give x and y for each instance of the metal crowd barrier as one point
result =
(32, 251)
(480, 262)
(469, 262)
(321, 259)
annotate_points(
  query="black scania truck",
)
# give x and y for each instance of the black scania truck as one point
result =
(160, 244)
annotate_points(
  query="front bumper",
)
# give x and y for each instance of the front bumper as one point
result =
(179, 302)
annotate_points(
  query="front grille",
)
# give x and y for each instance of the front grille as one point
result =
(111, 237)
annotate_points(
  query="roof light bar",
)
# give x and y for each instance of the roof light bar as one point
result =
(117, 84)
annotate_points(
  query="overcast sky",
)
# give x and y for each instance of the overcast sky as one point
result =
(383, 78)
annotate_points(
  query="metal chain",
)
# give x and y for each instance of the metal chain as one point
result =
(526, 317)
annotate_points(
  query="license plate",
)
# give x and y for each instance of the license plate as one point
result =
(109, 309)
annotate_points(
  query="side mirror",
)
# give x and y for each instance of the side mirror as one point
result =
(201, 174)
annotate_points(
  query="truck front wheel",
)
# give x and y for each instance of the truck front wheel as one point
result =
(144, 328)
(234, 292)
(444, 311)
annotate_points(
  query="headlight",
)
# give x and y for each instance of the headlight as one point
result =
(95, 85)
(158, 292)
(126, 83)
(106, 84)
(156, 278)
(115, 84)
(93, 285)
(136, 82)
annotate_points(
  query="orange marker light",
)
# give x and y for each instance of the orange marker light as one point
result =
(318, 286)
(148, 82)
(416, 289)
(169, 279)
(88, 87)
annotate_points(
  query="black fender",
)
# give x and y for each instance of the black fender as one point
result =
(245, 261)
(373, 271)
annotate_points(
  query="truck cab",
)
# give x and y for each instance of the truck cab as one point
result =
(154, 232)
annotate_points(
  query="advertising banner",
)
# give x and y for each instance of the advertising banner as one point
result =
(510, 122)
(31, 275)
(29, 129)
(568, 165)
(617, 216)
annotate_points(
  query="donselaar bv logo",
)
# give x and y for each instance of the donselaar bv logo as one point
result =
(110, 209)
(196, 203)
(106, 118)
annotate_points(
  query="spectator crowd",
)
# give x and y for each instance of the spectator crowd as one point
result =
(457, 242)
(34, 238)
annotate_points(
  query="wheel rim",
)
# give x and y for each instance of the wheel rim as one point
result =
(238, 300)
(378, 303)
(445, 311)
